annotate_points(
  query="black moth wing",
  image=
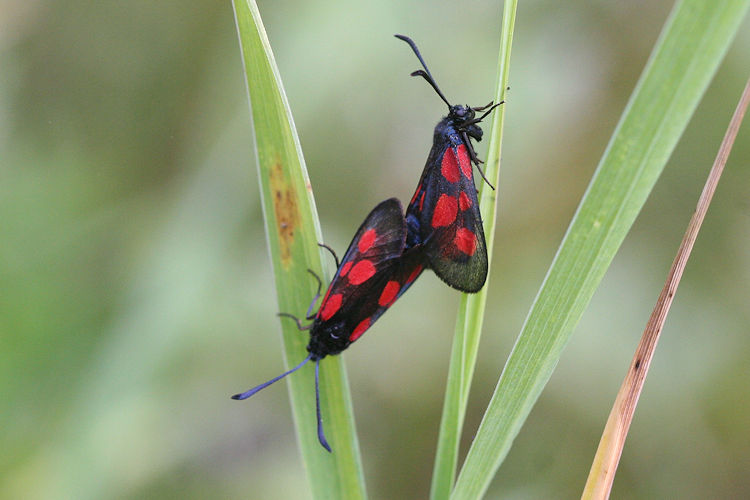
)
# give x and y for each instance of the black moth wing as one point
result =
(443, 215)
(352, 302)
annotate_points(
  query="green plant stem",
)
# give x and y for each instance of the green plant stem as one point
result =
(471, 308)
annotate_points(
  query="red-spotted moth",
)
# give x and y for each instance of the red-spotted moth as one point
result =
(375, 271)
(442, 230)
(443, 216)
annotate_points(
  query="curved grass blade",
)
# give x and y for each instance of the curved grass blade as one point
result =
(293, 232)
(693, 43)
(471, 308)
(607, 457)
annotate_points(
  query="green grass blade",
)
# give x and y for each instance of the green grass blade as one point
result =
(293, 232)
(694, 41)
(471, 307)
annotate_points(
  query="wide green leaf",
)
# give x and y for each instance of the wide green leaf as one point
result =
(293, 232)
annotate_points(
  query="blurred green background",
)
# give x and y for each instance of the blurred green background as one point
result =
(136, 292)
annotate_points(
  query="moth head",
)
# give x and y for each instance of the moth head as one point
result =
(464, 120)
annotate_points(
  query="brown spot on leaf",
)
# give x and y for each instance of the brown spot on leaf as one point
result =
(285, 210)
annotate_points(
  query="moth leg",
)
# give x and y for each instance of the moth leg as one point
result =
(474, 159)
(477, 120)
(309, 314)
(470, 147)
(335, 257)
(300, 326)
(485, 178)
(482, 108)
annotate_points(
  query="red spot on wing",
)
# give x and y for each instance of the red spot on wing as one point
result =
(464, 161)
(449, 166)
(414, 274)
(366, 241)
(345, 268)
(421, 201)
(445, 212)
(328, 292)
(361, 272)
(464, 202)
(330, 307)
(466, 241)
(389, 293)
(360, 329)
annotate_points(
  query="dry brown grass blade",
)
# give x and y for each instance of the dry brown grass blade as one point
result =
(602, 473)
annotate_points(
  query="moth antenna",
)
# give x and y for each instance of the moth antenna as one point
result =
(257, 388)
(426, 73)
(321, 434)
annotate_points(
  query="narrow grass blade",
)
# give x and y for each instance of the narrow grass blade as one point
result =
(471, 307)
(604, 467)
(293, 232)
(685, 58)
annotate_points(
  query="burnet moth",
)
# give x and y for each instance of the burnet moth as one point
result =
(443, 215)
(375, 271)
